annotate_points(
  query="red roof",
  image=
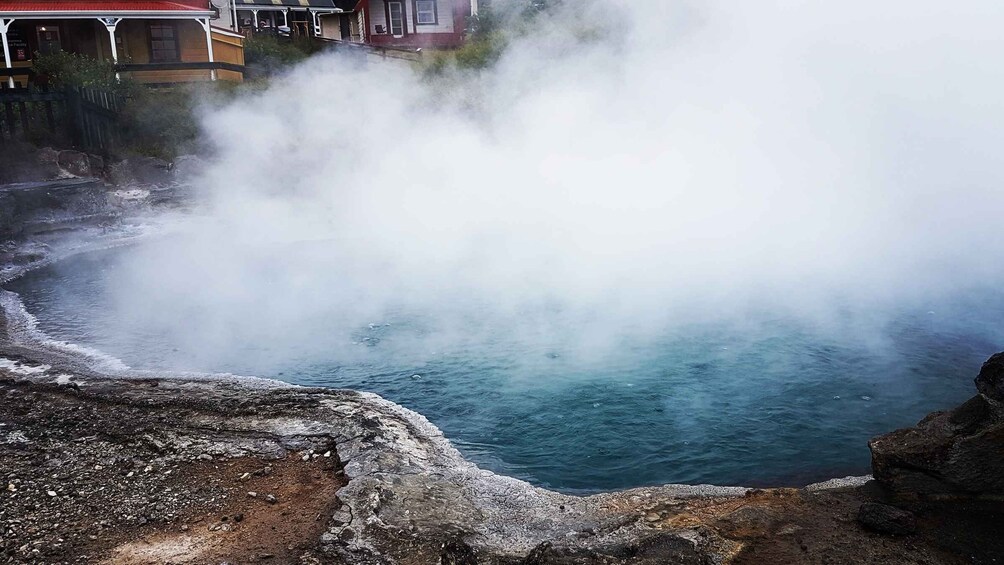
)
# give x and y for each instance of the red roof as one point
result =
(104, 6)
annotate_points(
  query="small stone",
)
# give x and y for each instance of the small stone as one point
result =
(238, 517)
(11, 487)
(50, 492)
(652, 517)
(184, 527)
(327, 454)
(252, 494)
(130, 474)
(205, 457)
(271, 499)
(245, 477)
(306, 457)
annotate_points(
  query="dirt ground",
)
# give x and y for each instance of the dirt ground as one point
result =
(87, 482)
(146, 477)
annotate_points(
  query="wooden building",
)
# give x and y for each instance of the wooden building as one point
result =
(153, 41)
(414, 24)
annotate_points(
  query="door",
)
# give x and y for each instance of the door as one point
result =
(395, 15)
(48, 39)
(344, 28)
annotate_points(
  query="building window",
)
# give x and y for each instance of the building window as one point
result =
(163, 43)
(425, 12)
(395, 18)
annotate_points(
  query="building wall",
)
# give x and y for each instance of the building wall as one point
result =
(89, 37)
(447, 32)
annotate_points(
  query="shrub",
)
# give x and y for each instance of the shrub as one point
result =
(70, 69)
(271, 54)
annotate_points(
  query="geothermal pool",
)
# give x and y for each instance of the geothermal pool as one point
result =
(771, 401)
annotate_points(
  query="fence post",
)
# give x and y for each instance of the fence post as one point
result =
(75, 110)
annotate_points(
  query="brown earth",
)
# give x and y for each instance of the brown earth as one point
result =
(90, 480)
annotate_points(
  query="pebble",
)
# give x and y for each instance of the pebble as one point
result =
(327, 454)
(271, 499)
(50, 492)
(252, 494)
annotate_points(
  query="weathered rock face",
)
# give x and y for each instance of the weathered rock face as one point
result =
(28, 208)
(960, 451)
(990, 381)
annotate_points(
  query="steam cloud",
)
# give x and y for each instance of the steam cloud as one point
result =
(627, 166)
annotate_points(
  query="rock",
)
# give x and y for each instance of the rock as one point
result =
(141, 171)
(97, 163)
(47, 155)
(457, 553)
(990, 381)
(74, 163)
(961, 451)
(271, 499)
(186, 167)
(886, 519)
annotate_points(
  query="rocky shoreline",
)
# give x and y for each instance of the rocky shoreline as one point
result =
(99, 464)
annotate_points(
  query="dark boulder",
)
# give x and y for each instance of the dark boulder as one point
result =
(960, 451)
(74, 163)
(886, 519)
(990, 381)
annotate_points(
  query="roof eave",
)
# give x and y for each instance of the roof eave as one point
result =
(88, 14)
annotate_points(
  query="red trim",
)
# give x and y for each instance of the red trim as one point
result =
(104, 5)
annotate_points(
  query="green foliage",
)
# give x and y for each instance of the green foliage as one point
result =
(272, 54)
(482, 51)
(160, 123)
(70, 69)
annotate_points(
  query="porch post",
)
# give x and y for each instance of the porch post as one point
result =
(110, 25)
(4, 26)
(209, 43)
(234, 24)
(317, 23)
(285, 18)
(255, 12)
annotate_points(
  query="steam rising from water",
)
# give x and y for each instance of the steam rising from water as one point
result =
(627, 167)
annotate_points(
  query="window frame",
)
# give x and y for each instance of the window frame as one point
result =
(390, 19)
(435, 13)
(177, 41)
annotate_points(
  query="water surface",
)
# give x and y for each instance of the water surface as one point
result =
(770, 401)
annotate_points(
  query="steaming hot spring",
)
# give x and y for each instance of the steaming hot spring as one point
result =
(665, 242)
(566, 398)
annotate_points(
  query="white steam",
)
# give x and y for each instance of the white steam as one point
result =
(630, 165)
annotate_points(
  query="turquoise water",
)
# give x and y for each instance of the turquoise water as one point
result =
(770, 401)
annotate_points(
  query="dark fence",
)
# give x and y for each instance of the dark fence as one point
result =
(86, 117)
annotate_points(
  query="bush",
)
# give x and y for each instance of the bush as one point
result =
(272, 54)
(70, 69)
